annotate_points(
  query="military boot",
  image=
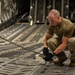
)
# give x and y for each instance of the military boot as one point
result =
(61, 58)
(72, 64)
(59, 62)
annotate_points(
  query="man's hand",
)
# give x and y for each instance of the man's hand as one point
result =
(48, 56)
(45, 51)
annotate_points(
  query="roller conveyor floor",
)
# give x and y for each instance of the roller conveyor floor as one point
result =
(15, 60)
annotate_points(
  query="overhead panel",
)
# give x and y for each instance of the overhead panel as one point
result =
(49, 6)
(66, 9)
(57, 5)
(32, 9)
(8, 9)
(72, 10)
(40, 11)
(0, 12)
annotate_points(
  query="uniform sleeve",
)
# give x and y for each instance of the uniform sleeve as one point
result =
(50, 31)
(68, 32)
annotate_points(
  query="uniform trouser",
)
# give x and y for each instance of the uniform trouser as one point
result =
(53, 43)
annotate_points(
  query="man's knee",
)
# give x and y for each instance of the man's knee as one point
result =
(52, 43)
(71, 47)
(71, 44)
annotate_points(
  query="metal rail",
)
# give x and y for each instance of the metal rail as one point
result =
(19, 45)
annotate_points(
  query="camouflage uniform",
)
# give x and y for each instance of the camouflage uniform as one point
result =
(67, 29)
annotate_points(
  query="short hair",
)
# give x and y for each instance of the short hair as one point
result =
(54, 12)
